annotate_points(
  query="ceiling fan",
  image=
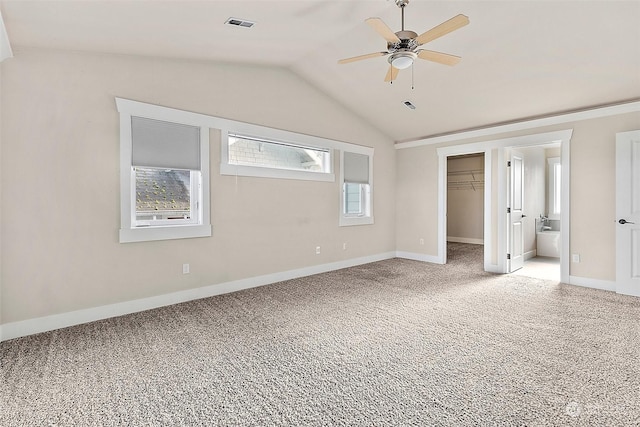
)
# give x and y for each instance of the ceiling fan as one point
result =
(403, 46)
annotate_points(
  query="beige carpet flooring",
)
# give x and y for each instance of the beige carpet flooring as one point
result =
(393, 343)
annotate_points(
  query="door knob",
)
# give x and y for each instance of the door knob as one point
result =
(624, 221)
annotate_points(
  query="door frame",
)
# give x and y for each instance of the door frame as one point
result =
(495, 231)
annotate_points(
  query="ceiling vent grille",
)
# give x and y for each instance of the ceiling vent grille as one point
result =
(240, 22)
(409, 105)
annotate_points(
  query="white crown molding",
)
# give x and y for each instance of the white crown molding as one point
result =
(5, 46)
(611, 110)
(57, 321)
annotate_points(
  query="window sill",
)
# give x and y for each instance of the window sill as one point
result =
(147, 234)
(361, 220)
(266, 172)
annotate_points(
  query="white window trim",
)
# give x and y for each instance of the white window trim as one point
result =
(128, 233)
(347, 220)
(262, 132)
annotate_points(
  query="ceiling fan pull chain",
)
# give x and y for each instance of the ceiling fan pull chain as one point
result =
(412, 67)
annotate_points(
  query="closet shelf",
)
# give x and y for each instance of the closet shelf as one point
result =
(470, 185)
(458, 183)
(466, 172)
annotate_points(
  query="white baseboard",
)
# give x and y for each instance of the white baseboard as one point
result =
(530, 254)
(49, 323)
(419, 257)
(605, 285)
(493, 268)
(465, 240)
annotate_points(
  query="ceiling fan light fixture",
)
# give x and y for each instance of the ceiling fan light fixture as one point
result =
(402, 60)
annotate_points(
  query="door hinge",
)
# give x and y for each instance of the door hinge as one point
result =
(509, 164)
(508, 256)
(508, 210)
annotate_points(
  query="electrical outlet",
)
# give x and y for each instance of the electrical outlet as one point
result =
(422, 241)
(317, 250)
(344, 246)
(575, 257)
(185, 269)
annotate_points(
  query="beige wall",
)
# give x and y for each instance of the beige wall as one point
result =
(552, 152)
(592, 201)
(59, 190)
(60, 182)
(417, 200)
(465, 206)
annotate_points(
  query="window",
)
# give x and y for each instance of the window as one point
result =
(354, 199)
(164, 161)
(555, 182)
(277, 154)
(356, 173)
(166, 196)
(245, 150)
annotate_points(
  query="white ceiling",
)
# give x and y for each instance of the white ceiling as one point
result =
(521, 59)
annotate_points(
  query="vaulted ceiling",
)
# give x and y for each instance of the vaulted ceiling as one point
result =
(520, 59)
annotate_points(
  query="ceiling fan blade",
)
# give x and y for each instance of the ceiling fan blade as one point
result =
(439, 57)
(446, 27)
(361, 57)
(391, 74)
(383, 29)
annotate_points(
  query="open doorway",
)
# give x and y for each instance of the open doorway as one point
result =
(534, 211)
(465, 207)
(495, 196)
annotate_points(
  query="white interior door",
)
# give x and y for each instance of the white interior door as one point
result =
(628, 213)
(515, 259)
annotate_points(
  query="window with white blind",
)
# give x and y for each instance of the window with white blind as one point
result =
(164, 156)
(356, 177)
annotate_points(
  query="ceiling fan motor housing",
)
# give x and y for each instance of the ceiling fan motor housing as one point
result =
(403, 52)
(407, 41)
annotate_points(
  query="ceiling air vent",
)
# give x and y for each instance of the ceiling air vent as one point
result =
(240, 22)
(409, 105)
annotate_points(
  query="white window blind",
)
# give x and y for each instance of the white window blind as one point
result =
(160, 144)
(356, 168)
